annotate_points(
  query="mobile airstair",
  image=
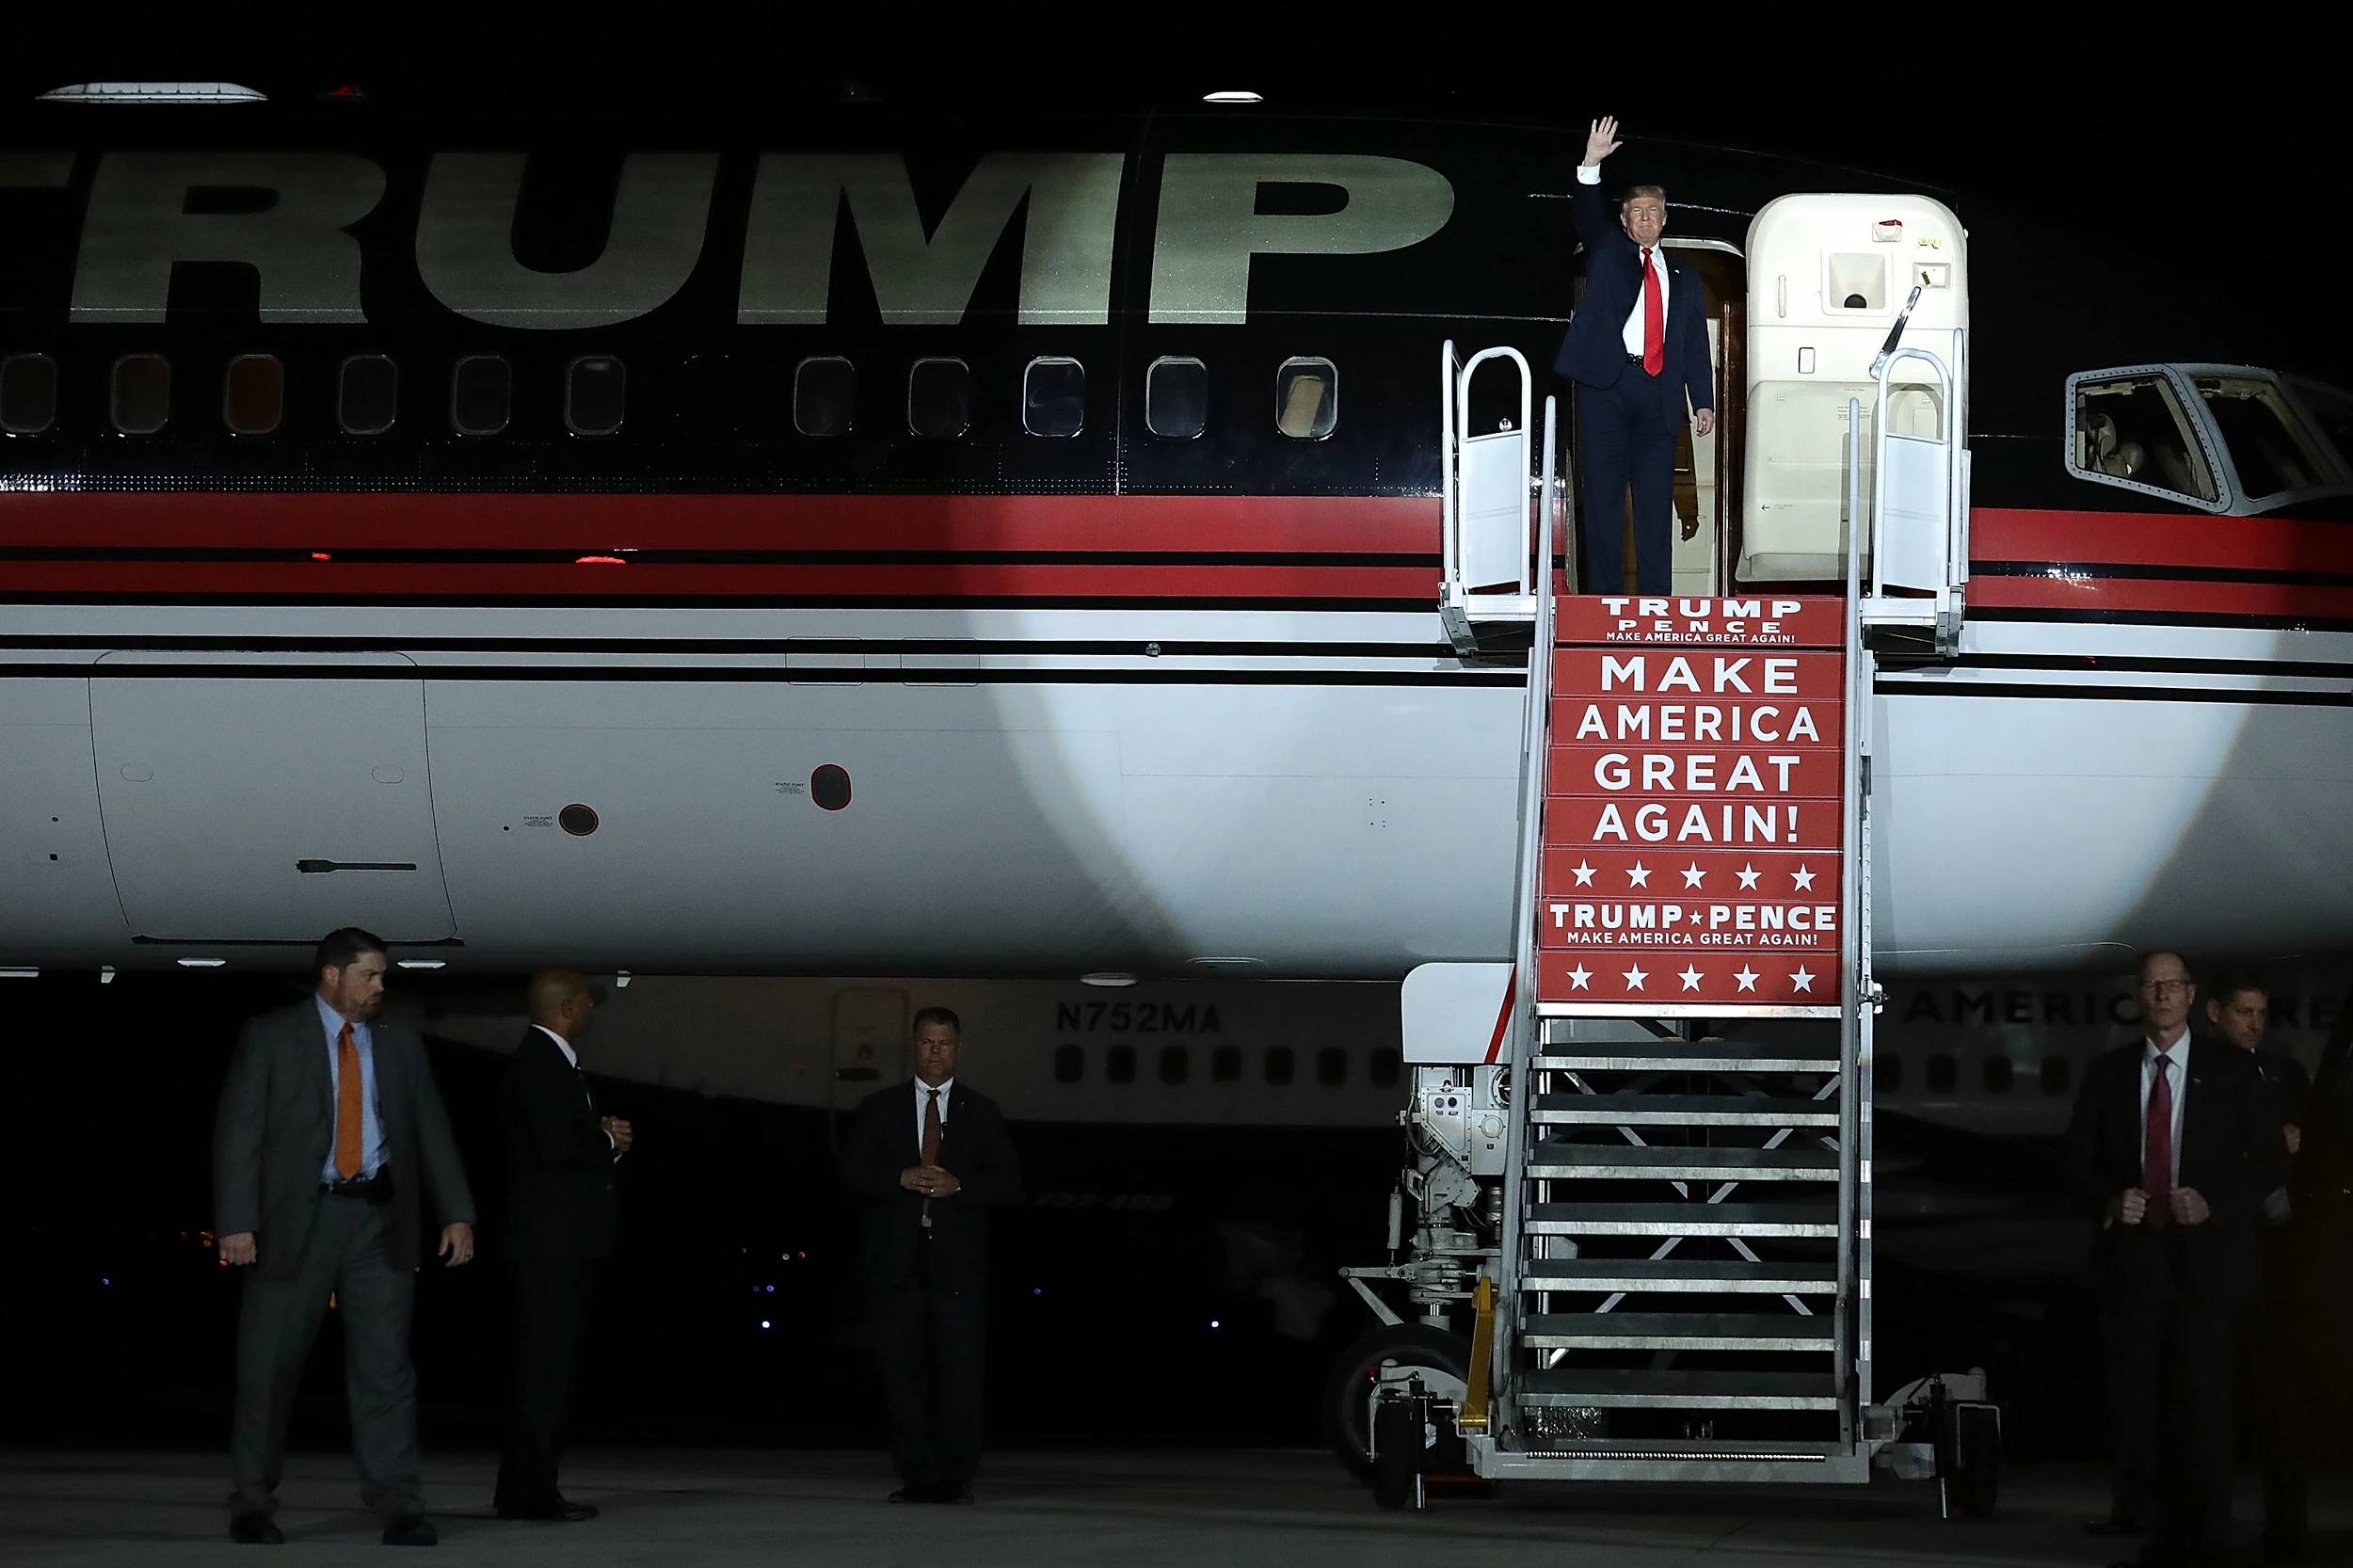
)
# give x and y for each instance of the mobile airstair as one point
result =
(1644, 1183)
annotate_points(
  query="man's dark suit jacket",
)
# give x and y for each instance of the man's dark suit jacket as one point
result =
(563, 1206)
(2231, 1151)
(973, 1146)
(1594, 350)
(276, 1132)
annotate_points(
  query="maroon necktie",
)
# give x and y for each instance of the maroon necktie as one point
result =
(1654, 319)
(930, 1138)
(2156, 1146)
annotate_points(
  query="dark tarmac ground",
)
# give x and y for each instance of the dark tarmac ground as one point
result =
(1194, 1507)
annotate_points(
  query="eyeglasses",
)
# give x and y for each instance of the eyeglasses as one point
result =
(2163, 987)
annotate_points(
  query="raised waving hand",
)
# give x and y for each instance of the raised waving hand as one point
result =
(1600, 140)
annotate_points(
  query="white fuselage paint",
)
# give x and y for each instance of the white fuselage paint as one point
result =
(1049, 813)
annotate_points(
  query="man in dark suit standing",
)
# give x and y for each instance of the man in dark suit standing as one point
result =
(1637, 348)
(2174, 1145)
(928, 1160)
(329, 1131)
(561, 1222)
(2275, 1359)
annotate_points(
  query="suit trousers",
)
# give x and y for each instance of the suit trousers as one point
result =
(347, 1255)
(551, 1322)
(2275, 1366)
(929, 1345)
(1626, 434)
(2169, 1365)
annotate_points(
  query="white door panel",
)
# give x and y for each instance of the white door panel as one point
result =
(216, 792)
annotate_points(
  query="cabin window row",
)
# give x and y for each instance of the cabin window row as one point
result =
(1996, 1074)
(1279, 1066)
(596, 396)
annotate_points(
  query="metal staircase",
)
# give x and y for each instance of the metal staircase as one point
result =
(1674, 1276)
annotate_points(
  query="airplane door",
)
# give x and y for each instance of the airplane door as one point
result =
(246, 809)
(869, 1041)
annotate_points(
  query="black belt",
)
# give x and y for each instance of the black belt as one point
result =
(374, 1189)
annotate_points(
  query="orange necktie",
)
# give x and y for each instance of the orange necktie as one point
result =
(347, 1133)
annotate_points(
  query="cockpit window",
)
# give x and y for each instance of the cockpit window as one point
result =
(2267, 446)
(2129, 428)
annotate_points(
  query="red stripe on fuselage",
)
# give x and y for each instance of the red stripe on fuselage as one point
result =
(2160, 539)
(1403, 525)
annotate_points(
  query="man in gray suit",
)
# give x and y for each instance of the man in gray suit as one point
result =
(330, 1130)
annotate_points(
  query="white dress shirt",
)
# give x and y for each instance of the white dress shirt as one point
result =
(2177, 1078)
(574, 1057)
(1633, 332)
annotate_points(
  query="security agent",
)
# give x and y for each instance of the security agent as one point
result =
(1637, 348)
(2274, 1336)
(927, 1160)
(329, 1131)
(2173, 1146)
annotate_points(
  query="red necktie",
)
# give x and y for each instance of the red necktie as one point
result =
(1654, 319)
(931, 1137)
(2156, 1146)
(348, 1135)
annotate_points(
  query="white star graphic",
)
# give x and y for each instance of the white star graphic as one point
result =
(1584, 873)
(1578, 976)
(1748, 877)
(1803, 878)
(1690, 978)
(1803, 981)
(1692, 874)
(1747, 977)
(1639, 877)
(1634, 978)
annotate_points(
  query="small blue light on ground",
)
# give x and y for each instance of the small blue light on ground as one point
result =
(763, 1322)
(1038, 1291)
(1213, 1322)
(106, 1282)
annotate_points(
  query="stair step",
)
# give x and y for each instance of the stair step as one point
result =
(1644, 1274)
(1680, 1110)
(1677, 1056)
(1613, 1389)
(1682, 1219)
(1678, 1331)
(1600, 1162)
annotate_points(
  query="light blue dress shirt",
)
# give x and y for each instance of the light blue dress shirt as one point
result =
(371, 1115)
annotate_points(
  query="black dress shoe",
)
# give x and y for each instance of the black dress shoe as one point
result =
(256, 1529)
(411, 1529)
(559, 1511)
(914, 1494)
(959, 1496)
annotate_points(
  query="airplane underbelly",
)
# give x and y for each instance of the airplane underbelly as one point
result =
(2046, 831)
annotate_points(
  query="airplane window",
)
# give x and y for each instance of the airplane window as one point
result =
(254, 399)
(596, 393)
(1280, 1064)
(367, 394)
(1998, 1075)
(939, 399)
(1332, 1066)
(2332, 411)
(142, 393)
(1070, 1064)
(1306, 399)
(1175, 1064)
(2130, 430)
(2267, 445)
(1383, 1069)
(1119, 1064)
(1887, 1072)
(1225, 1065)
(823, 390)
(481, 396)
(1176, 398)
(2056, 1073)
(1054, 397)
(28, 393)
(1944, 1073)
